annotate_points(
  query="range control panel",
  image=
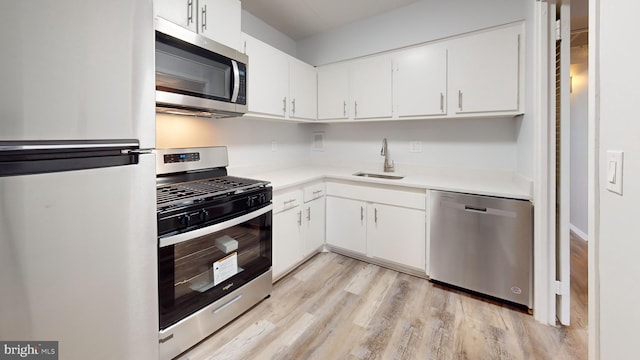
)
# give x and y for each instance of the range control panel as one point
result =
(170, 161)
(184, 157)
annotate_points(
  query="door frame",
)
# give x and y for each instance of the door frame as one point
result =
(546, 248)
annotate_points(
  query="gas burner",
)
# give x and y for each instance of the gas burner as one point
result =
(193, 191)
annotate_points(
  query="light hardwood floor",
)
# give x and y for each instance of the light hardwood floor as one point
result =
(335, 307)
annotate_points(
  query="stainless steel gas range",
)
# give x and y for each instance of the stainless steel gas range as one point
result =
(214, 245)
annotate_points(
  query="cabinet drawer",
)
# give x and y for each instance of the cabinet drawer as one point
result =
(313, 192)
(286, 200)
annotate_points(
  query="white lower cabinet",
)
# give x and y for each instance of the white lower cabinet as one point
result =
(397, 234)
(287, 232)
(298, 227)
(313, 221)
(379, 223)
(347, 224)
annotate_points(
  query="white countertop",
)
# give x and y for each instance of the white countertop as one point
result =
(501, 184)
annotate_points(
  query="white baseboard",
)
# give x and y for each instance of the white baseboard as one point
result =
(579, 233)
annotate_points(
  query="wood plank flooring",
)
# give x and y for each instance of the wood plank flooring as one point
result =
(335, 307)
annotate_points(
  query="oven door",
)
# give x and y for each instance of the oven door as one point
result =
(201, 266)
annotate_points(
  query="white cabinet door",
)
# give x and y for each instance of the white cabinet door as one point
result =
(268, 79)
(287, 243)
(333, 92)
(370, 88)
(181, 12)
(484, 72)
(220, 21)
(397, 234)
(314, 225)
(420, 81)
(346, 224)
(302, 90)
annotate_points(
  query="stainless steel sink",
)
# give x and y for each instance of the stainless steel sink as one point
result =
(379, 176)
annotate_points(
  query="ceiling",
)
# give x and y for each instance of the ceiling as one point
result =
(300, 19)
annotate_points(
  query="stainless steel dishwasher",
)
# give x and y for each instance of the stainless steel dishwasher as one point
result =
(483, 244)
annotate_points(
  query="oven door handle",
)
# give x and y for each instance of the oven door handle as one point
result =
(190, 235)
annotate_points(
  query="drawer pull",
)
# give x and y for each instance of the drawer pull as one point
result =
(227, 304)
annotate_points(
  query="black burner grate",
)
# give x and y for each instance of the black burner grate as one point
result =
(199, 189)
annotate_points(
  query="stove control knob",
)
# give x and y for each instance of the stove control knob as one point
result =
(251, 201)
(263, 198)
(184, 220)
(204, 215)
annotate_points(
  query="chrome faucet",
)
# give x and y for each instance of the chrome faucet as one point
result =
(385, 152)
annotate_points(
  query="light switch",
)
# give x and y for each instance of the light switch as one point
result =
(614, 171)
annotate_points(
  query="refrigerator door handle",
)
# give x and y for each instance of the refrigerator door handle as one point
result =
(137, 151)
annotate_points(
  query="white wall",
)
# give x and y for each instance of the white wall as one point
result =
(461, 143)
(249, 142)
(617, 266)
(423, 21)
(264, 32)
(579, 136)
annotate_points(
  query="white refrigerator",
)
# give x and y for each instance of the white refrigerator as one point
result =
(78, 244)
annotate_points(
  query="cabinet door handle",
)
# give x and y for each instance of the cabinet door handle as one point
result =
(460, 100)
(361, 213)
(317, 192)
(355, 109)
(190, 11)
(293, 107)
(300, 218)
(204, 17)
(441, 102)
(284, 105)
(344, 108)
(375, 215)
(309, 214)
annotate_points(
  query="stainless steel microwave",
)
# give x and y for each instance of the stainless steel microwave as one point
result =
(196, 75)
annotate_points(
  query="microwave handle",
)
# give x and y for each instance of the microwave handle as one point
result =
(236, 81)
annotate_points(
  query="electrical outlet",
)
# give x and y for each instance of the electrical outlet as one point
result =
(274, 146)
(415, 147)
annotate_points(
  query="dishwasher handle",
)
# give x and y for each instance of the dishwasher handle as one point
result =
(475, 209)
(478, 209)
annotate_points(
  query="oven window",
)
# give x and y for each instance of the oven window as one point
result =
(197, 272)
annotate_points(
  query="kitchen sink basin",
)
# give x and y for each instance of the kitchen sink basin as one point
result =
(379, 176)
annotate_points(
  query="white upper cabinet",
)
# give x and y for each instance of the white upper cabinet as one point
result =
(370, 87)
(181, 12)
(218, 20)
(360, 89)
(267, 78)
(485, 72)
(279, 85)
(302, 90)
(333, 92)
(420, 81)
